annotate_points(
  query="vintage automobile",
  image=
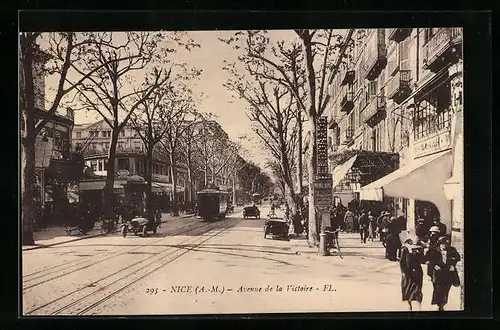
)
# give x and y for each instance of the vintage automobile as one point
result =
(277, 228)
(251, 211)
(134, 217)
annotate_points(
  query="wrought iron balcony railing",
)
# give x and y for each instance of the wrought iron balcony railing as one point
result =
(399, 87)
(348, 75)
(374, 111)
(443, 48)
(348, 135)
(347, 101)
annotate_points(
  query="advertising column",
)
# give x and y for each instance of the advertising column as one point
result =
(323, 181)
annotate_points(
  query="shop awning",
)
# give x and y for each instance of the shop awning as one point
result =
(423, 179)
(97, 185)
(340, 171)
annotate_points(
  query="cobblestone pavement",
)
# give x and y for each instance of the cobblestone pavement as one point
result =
(221, 267)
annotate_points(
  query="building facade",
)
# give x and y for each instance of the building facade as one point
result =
(93, 141)
(400, 92)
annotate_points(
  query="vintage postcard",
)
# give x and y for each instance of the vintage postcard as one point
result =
(234, 172)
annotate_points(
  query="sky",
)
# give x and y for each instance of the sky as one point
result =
(209, 57)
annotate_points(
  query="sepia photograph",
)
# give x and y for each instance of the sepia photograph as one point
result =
(241, 171)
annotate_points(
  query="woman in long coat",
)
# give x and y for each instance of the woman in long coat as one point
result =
(392, 239)
(412, 256)
(442, 262)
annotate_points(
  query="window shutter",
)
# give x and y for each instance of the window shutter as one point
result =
(404, 55)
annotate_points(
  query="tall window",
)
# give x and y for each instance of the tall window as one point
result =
(122, 133)
(78, 135)
(93, 165)
(100, 165)
(404, 55)
(433, 113)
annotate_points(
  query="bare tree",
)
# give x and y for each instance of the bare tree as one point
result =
(43, 55)
(273, 112)
(179, 116)
(113, 91)
(320, 50)
(149, 122)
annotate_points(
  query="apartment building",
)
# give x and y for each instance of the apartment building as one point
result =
(93, 140)
(399, 92)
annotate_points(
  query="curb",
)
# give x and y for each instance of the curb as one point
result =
(68, 241)
(85, 237)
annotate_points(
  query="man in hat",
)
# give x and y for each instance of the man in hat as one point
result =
(392, 239)
(442, 227)
(364, 223)
(382, 223)
(433, 237)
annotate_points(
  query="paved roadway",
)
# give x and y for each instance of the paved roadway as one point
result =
(193, 267)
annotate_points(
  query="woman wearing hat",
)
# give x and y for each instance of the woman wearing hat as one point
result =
(412, 255)
(442, 261)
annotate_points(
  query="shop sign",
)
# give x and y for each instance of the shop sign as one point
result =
(161, 178)
(439, 142)
(323, 196)
(122, 173)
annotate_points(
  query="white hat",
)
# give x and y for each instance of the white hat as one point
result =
(434, 229)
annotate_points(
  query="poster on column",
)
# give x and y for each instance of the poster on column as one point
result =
(212, 117)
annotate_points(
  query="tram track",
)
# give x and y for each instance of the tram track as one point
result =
(105, 288)
(30, 282)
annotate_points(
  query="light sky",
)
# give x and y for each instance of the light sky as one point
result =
(209, 57)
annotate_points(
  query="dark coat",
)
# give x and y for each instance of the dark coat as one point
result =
(411, 275)
(364, 221)
(444, 275)
(443, 278)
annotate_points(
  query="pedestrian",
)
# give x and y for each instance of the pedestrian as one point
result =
(442, 261)
(442, 227)
(364, 223)
(421, 231)
(372, 227)
(381, 223)
(349, 220)
(412, 256)
(433, 237)
(392, 240)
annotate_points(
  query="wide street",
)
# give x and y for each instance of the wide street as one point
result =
(194, 267)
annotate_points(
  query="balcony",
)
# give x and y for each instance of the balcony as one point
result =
(347, 101)
(348, 137)
(348, 76)
(376, 54)
(443, 48)
(398, 35)
(374, 111)
(399, 88)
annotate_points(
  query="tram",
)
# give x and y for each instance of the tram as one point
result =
(212, 204)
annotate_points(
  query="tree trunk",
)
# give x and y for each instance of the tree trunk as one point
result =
(110, 173)
(28, 204)
(234, 189)
(206, 174)
(173, 175)
(149, 180)
(313, 235)
(299, 155)
(28, 191)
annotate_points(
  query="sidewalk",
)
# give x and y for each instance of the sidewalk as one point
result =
(367, 261)
(57, 235)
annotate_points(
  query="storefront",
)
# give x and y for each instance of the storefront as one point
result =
(360, 168)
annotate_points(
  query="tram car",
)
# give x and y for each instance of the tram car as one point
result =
(212, 204)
